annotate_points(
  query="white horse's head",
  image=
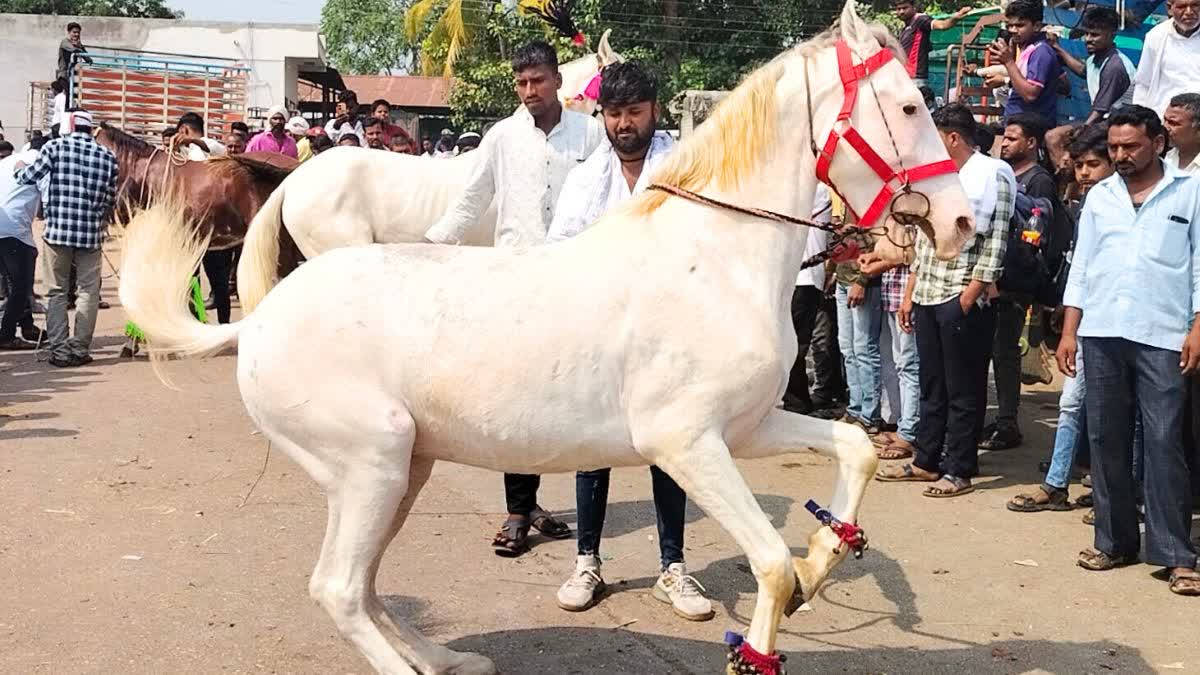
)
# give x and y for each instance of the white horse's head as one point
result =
(887, 118)
(581, 77)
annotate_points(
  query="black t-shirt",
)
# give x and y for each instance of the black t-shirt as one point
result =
(1114, 82)
(916, 43)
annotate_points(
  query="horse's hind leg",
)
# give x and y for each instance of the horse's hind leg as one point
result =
(368, 501)
(783, 432)
(705, 470)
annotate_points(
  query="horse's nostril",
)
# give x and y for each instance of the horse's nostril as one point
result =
(964, 224)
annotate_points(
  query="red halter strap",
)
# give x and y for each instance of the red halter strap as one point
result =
(902, 178)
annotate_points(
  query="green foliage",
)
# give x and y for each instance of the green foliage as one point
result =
(152, 9)
(365, 37)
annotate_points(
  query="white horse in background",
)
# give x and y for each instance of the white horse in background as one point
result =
(354, 196)
(662, 335)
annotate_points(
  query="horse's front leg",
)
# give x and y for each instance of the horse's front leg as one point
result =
(783, 432)
(705, 470)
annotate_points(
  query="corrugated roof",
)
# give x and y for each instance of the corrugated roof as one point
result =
(404, 91)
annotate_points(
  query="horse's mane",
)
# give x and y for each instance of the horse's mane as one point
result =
(257, 168)
(740, 130)
(126, 143)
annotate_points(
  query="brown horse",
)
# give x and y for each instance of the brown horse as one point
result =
(222, 194)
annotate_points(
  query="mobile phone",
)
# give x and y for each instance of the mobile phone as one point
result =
(1004, 34)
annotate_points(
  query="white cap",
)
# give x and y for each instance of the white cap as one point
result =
(447, 132)
(297, 125)
(81, 118)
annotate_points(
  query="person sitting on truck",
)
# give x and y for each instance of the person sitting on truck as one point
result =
(59, 88)
(72, 45)
(192, 141)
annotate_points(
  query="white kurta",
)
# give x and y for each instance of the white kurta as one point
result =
(598, 185)
(524, 170)
(1168, 67)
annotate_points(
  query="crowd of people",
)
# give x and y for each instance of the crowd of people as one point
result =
(1103, 241)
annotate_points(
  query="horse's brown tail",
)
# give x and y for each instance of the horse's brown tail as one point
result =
(257, 271)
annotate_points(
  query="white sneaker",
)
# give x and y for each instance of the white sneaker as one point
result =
(584, 587)
(683, 593)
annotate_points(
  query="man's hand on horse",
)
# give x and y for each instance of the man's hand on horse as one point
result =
(872, 264)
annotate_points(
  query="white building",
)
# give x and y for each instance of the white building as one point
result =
(275, 54)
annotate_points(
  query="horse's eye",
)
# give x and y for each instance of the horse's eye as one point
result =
(910, 109)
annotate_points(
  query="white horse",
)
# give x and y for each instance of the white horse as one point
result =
(354, 196)
(662, 335)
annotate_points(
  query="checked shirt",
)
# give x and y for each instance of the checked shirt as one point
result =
(81, 180)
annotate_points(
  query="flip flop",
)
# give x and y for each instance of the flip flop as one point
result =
(1185, 584)
(907, 476)
(961, 487)
(548, 525)
(894, 451)
(1099, 561)
(513, 538)
(1056, 500)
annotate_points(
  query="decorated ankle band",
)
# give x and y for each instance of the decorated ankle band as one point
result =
(744, 660)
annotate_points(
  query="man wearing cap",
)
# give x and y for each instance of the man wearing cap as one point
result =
(467, 142)
(298, 128)
(276, 137)
(80, 179)
(445, 145)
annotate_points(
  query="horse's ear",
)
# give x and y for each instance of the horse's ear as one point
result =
(604, 52)
(853, 29)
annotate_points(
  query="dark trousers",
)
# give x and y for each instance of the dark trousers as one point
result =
(217, 265)
(806, 300)
(18, 259)
(1006, 357)
(829, 381)
(953, 349)
(520, 491)
(591, 502)
(1191, 438)
(1123, 376)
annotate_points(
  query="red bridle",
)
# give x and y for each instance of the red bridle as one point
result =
(851, 74)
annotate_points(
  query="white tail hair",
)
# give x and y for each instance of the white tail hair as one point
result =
(160, 252)
(257, 271)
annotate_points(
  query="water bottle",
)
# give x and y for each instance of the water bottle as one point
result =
(1032, 234)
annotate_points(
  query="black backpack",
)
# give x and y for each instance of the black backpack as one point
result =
(1026, 269)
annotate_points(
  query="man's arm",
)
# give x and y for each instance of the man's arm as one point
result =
(952, 20)
(1189, 357)
(1144, 76)
(570, 211)
(990, 264)
(1068, 59)
(473, 202)
(1028, 88)
(40, 168)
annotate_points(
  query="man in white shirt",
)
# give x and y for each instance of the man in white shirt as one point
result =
(59, 88)
(523, 162)
(1169, 56)
(194, 144)
(18, 252)
(619, 169)
(347, 120)
(1183, 127)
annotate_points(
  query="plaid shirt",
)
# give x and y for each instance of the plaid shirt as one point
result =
(941, 280)
(81, 188)
(892, 283)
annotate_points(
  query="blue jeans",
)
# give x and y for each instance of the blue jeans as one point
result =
(1125, 376)
(908, 373)
(858, 337)
(1071, 422)
(591, 502)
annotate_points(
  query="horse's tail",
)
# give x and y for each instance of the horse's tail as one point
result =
(257, 269)
(160, 252)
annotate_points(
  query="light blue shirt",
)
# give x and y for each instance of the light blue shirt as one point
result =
(1136, 273)
(18, 203)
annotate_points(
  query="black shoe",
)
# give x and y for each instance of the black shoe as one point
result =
(68, 362)
(33, 334)
(103, 305)
(797, 406)
(16, 344)
(1001, 438)
(82, 360)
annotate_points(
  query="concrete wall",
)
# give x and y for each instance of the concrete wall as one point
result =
(273, 52)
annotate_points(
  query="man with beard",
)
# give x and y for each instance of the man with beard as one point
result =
(1183, 127)
(373, 130)
(523, 163)
(1170, 52)
(276, 137)
(615, 172)
(1133, 291)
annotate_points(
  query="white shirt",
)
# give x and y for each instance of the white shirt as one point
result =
(195, 154)
(60, 108)
(334, 132)
(1170, 65)
(524, 169)
(817, 240)
(599, 185)
(18, 203)
(1172, 159)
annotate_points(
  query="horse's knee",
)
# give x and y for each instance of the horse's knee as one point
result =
(774, 571)
(343, 603)
(855, 450)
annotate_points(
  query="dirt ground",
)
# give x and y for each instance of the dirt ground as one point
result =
(125, 547)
